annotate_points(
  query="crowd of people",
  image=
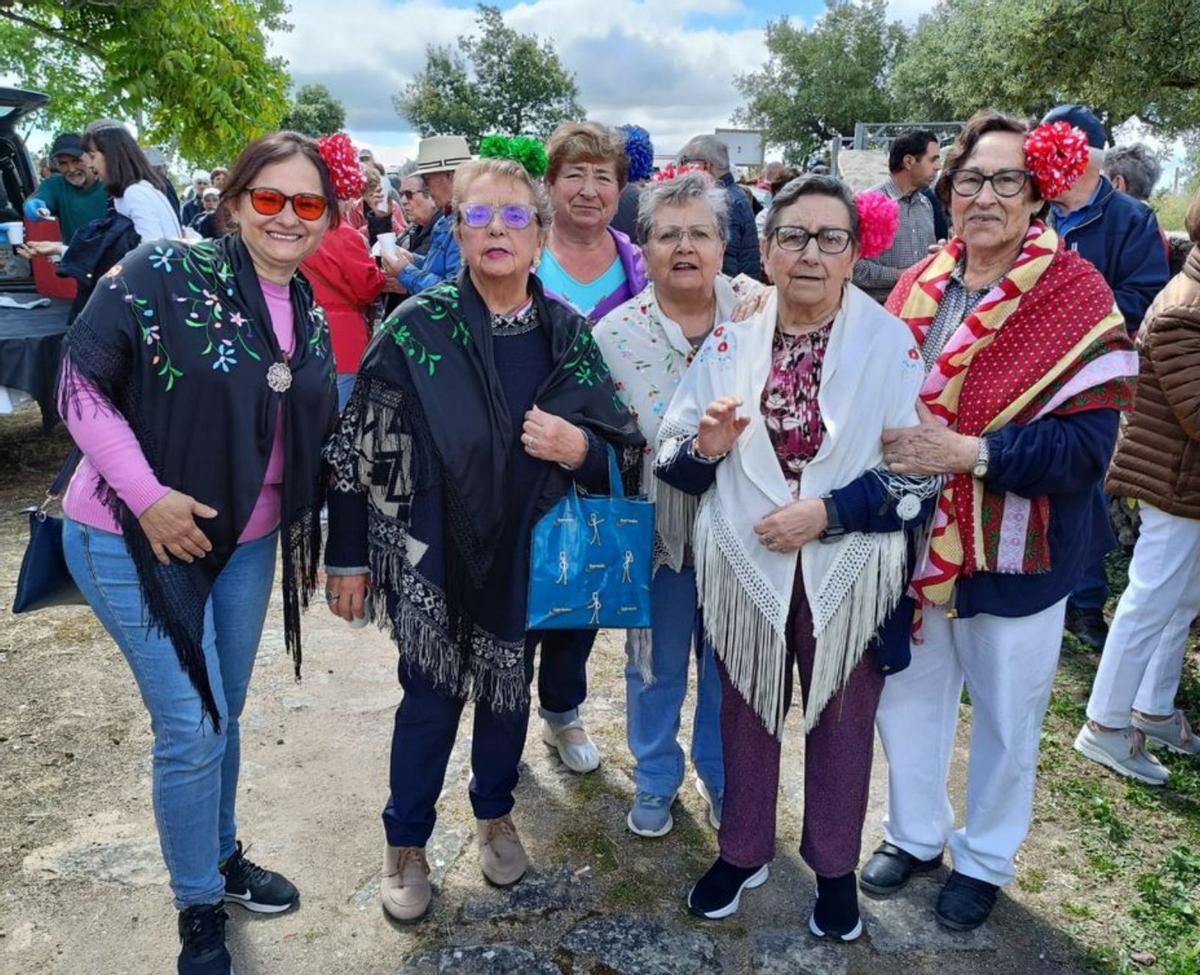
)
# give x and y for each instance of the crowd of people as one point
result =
(878, 430)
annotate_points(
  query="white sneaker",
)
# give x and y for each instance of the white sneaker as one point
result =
(1123, 751)
(575, 747)
(1174, 732)
(714, 803)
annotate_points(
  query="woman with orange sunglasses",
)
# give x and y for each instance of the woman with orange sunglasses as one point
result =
(198, 383)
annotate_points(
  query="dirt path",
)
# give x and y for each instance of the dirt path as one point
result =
(83, 888)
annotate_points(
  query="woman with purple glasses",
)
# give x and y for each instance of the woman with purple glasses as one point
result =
(476, 405)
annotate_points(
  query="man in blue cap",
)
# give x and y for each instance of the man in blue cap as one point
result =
(1121, 237)
(74, 195)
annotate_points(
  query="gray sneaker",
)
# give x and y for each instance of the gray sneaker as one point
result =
(1174, 732)
(650, 815)
(1122, 751)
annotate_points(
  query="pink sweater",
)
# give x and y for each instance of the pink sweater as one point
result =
(110, 450)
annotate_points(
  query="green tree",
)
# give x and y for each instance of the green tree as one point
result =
(190, 74)
(315, 112)
(1122, 58)
(820, 81)
(514, 84)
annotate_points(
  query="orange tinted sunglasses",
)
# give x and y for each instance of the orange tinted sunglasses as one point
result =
(268, 202)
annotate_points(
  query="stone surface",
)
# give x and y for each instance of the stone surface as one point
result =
(906, 923)
(633, 945)
(101, 848)
(537, 894)
(796, 952)
(497, 959)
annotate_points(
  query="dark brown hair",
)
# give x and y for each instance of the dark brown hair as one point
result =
(576, 142)
(271, 149)
(979, 125)
(124, 161)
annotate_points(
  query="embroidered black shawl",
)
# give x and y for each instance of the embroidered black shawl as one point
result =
(178, 339)
(428, 411)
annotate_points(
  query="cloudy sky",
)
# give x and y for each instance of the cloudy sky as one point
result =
(668, 65)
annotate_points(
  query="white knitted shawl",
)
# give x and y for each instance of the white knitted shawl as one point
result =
(870, 378)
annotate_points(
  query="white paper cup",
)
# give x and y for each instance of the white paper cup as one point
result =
(16, 232)
(387, 244)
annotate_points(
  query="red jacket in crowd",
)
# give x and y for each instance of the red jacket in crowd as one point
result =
(346, 281)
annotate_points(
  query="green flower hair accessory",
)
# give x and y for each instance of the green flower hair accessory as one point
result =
(530, 153)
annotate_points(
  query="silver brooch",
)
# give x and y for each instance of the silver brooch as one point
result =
(908, 507)
(279, 377)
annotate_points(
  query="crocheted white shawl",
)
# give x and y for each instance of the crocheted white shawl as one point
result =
(870, 378)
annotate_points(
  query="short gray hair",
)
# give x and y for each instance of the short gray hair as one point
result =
(1137, 164)
(707, 149)
(811, 184)
(679, 192)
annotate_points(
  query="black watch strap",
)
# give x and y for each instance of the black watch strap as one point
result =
(833, 521)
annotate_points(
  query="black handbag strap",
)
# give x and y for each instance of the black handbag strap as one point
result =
(59, 485)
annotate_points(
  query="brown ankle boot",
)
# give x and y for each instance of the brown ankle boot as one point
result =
(404, 888)
(501, 854)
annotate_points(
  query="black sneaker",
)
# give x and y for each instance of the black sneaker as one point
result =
(965, 902)
(718, 893)
(1089, 627)
(256, 889)
(835, 915)
(202, 941)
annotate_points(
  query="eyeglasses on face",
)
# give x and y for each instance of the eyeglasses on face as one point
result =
(409, 194)
(1005, 182)
(513, 215)
(830, 240)
(269, 202)
(700, 236)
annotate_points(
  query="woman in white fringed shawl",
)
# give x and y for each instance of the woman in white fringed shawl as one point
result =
(801, 548)
(648, 343)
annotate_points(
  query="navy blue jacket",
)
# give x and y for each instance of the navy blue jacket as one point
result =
(741, 245)
(1121, 237)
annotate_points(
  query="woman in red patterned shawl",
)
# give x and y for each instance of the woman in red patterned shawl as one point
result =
(1027, 368)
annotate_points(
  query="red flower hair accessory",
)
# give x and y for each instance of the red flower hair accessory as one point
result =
(342, 160)
(1056, 155)
(878, 221)
(670, 171)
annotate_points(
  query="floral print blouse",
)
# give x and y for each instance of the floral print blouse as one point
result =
(789, 401)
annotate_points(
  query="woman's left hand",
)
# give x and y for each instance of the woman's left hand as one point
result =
(793, 526)
(928, 448)
(549, 437)
(397, 262)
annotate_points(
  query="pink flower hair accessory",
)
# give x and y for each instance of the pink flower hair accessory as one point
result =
(878, 221)
(670, 171)
(1056, 155)
(341, 158)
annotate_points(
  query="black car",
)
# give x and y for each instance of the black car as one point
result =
(17, 178)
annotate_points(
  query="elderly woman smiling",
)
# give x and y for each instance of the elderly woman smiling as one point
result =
(1028, 365)
(437, 486)
(800, 549)
(649, 342)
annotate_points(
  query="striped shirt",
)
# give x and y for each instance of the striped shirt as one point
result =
(914, 236)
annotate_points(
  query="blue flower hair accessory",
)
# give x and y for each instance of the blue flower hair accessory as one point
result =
(640, 152)
(528, 152)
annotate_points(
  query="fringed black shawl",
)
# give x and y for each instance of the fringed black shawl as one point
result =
(178, 338)
(429, 417)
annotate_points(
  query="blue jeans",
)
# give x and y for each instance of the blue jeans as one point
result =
(345, 386)
(652, 722)
(195, 769)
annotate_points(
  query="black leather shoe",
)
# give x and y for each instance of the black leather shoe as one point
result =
(890, 868)
(964, 902)
(1089, 627)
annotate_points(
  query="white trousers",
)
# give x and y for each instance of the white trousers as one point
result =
(1008, 665)
(1143, 656)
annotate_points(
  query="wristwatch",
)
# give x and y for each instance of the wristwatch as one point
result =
(834, 529)
(981, 459)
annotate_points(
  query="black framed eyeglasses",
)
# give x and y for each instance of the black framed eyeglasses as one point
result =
(1006, 183)
(409, 194)
(830, 240)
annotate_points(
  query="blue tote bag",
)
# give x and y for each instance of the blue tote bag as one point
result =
(590, 561)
